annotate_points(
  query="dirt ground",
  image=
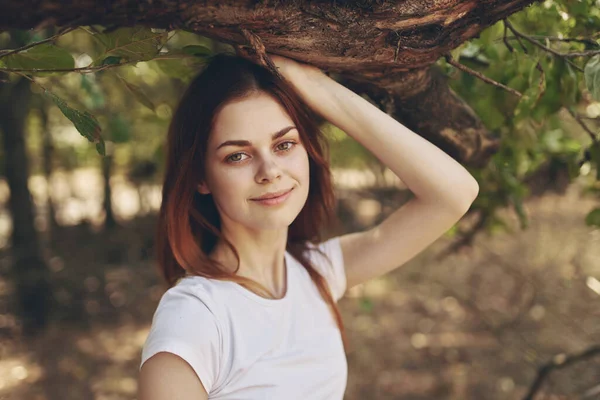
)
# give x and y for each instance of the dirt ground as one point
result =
(475, 325)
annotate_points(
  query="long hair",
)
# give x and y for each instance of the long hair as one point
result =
(189, 224)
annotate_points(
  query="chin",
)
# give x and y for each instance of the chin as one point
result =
(275, 222)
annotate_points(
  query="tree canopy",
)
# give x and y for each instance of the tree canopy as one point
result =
(508, 89)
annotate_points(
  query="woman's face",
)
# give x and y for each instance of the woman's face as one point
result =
(238, 172)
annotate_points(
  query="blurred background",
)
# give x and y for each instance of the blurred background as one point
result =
(506, 305)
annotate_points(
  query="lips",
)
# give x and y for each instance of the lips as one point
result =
(272, 195)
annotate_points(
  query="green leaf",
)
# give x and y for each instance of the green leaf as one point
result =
(43, 56)
(130, 44)
(470, 50)
(456, 53)
(180, 65)
(84, 122)
(578, 8)
(96, 99)
(570, 87)
(101, 147)
(517, 203)
(552, 140)
(592, 76)
(118, 128)
(139, 94)
(526, 103)
(197, 51)
(111, 60)
(593, 218)
(496, 224)
(594, 150)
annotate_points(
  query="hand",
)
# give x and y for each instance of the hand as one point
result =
(286, 67)
(292, 69)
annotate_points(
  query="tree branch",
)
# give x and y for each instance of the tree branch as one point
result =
(479, 75)
(556, 39)
(541, 46)
(579, 120)
(559, 362)
(4, 53)
(90, 69)
(386, 46)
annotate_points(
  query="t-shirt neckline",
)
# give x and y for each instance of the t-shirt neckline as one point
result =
(263, 300)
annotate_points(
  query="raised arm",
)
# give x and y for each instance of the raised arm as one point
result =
(443, 189)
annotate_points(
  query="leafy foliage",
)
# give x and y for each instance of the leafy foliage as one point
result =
(139, 94)
(538, 130)
(593, 218)
(553, 127)
(129, 44)
(592, 76)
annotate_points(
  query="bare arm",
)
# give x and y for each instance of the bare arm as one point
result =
(166, 376)
(443, 189)
(430, 174)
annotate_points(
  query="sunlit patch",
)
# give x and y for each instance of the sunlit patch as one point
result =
(593, 284)
(419, 340)
(367, 211)
(17, 371)
(506, 384)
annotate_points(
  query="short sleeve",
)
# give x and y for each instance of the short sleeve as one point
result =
(183, 325)
(334, 273)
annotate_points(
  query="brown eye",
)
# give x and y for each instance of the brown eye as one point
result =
(291, 145)
(231, 159)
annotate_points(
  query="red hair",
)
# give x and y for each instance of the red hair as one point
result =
(189, 223)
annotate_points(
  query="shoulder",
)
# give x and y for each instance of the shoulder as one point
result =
(187, 306)
(327, 258)
(186, 324)
(330, 247)
(188, 295)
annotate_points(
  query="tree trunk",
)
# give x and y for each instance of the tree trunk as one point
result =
(109, 217)
(385, 47)
(47, 157)
(29, 272)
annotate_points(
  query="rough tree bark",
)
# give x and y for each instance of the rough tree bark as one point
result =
(384, 48)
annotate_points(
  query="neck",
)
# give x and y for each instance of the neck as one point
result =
(262, 259)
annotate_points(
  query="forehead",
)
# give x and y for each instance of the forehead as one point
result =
(256, 116)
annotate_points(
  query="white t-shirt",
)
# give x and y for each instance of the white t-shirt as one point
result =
(243, 346)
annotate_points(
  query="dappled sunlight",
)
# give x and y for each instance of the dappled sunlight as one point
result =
(119, 345)
(504, 305)
(364, 178)
(16, 371)
(476, 321)
(467, 324)
(593, 284)
(78, 197)
(102, 360)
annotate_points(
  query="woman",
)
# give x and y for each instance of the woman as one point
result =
(251, 309)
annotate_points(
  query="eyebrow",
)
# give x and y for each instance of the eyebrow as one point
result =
(243, 143)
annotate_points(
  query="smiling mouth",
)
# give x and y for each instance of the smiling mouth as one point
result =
(274, 197)
(273, 201)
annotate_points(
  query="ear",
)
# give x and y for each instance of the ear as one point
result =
(203, 189)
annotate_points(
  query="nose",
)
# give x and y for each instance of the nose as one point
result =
(268, 169)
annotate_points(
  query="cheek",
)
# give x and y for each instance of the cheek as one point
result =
(233, 181)
(301, 164)
(224, 181)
